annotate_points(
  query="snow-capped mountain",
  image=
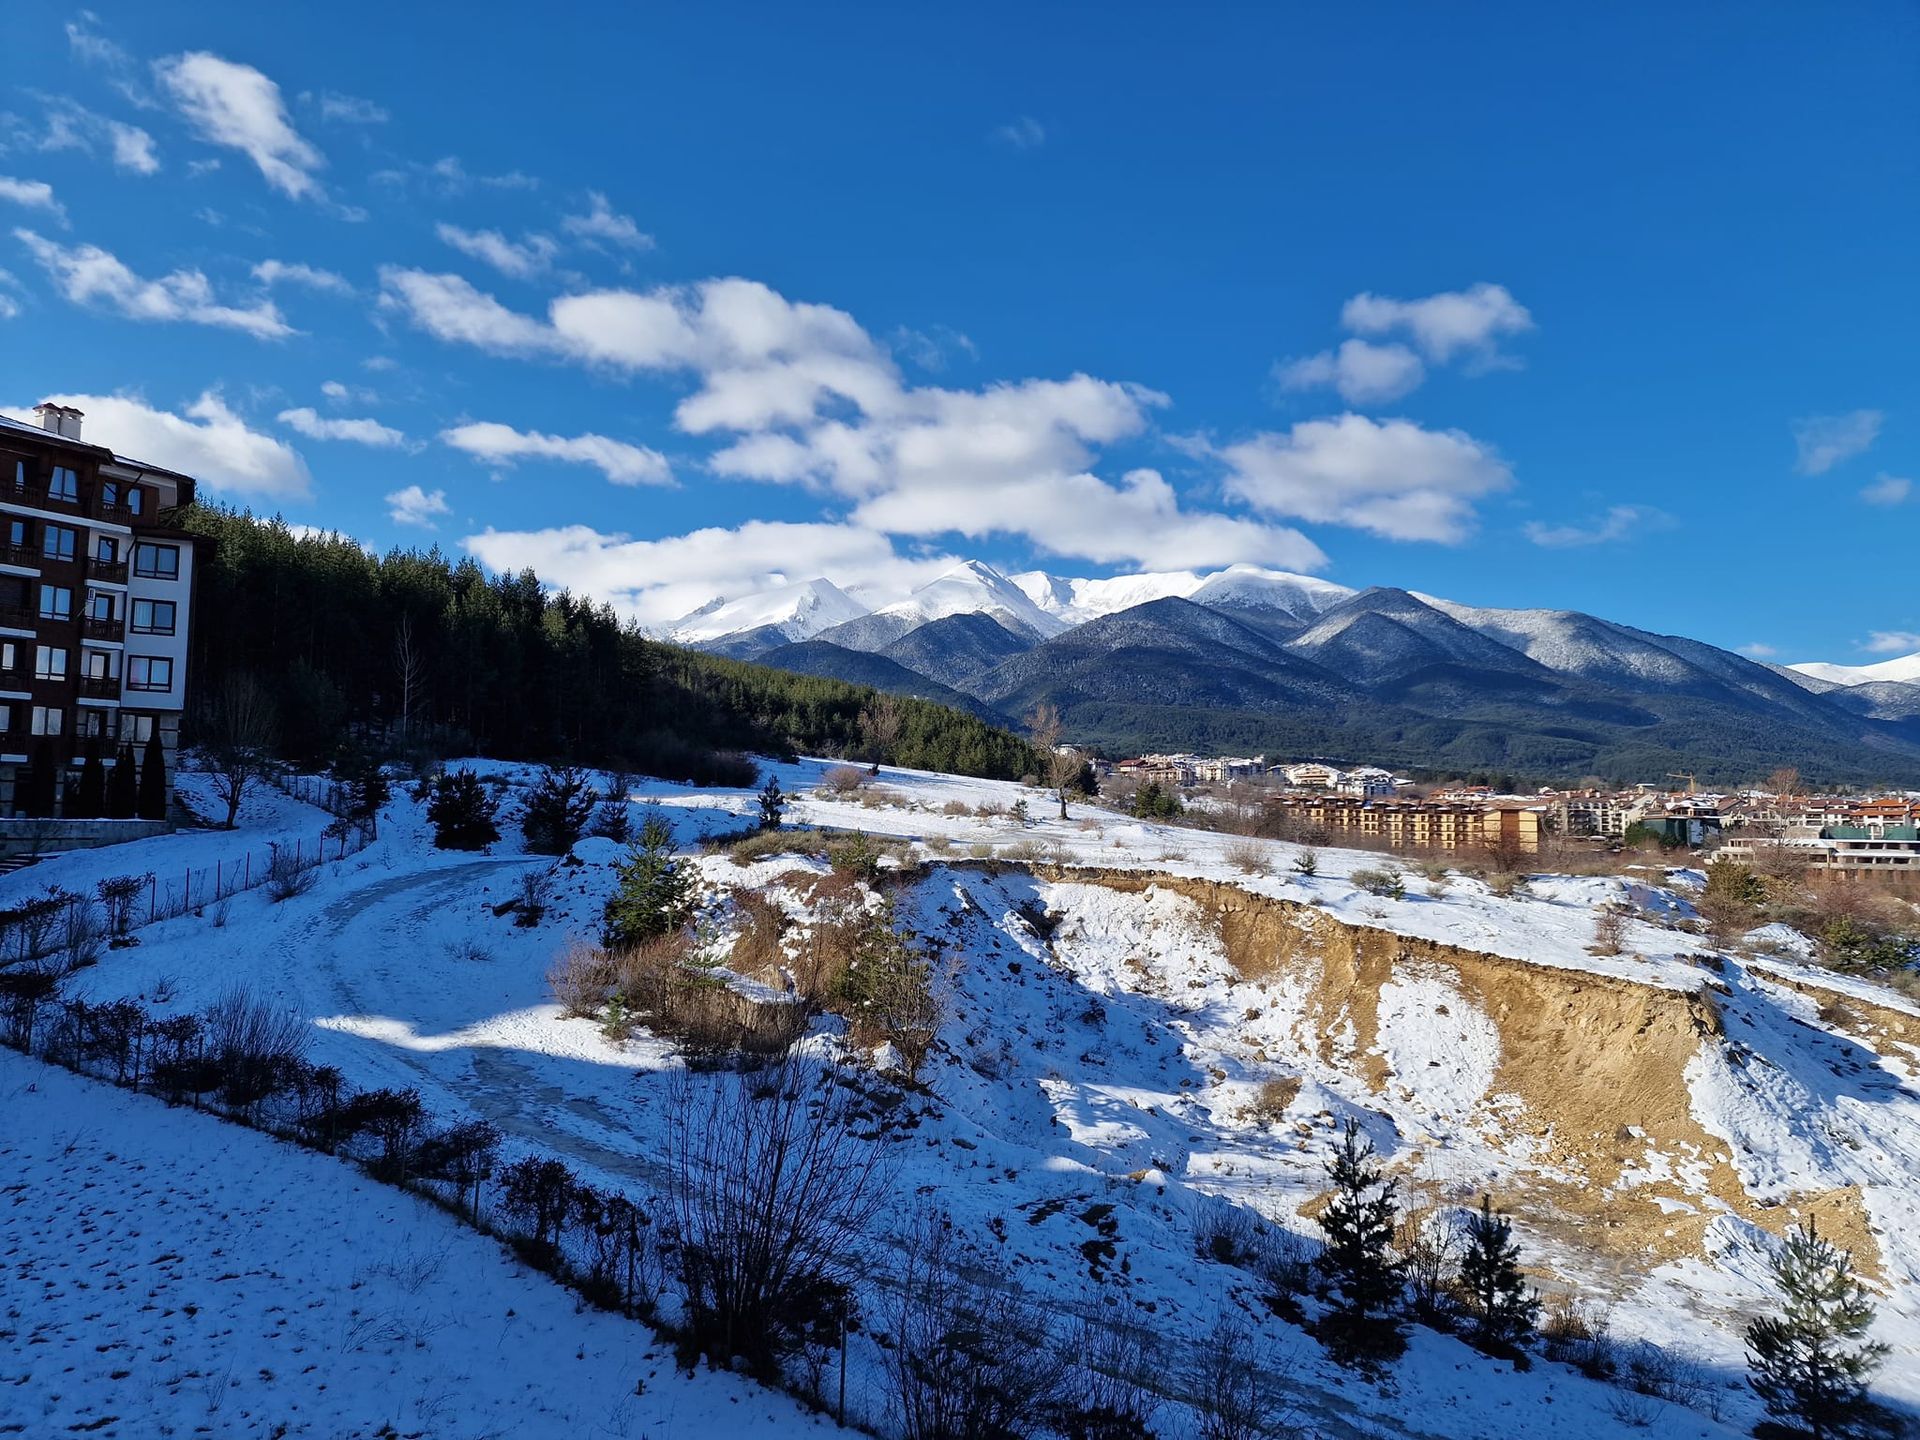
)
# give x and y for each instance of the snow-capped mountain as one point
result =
(970, 588)
(1238, 587)
(1904, 670)
(796, 612)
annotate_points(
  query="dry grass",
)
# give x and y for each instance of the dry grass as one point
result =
(581, 978)
(1248, 856)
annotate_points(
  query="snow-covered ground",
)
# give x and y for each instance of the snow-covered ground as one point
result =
(1110, 1057)
(168, 1275)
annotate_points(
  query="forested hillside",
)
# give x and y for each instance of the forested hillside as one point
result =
(414, 647)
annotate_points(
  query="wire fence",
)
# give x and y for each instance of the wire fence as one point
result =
(279, 863)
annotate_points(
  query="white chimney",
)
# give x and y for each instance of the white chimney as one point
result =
(62, 420)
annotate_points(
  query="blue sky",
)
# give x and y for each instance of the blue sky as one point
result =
(1610, 311)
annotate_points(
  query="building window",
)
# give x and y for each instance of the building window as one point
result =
(156, 562)
(153, 617)
(19, 474)
(105, 549)
(99, 605)
(149, 672)
(93, 721)
(109, 494)
(136, 501)
(96, 664)
(49, 662)
(49, 720)
(56, 542)
(19, 537)
(56, 602)
(63, 484)
(136, 729)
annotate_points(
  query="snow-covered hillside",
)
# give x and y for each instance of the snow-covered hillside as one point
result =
(797, 612)
(167, 1275)
(1126, 1003)
(1904, 669)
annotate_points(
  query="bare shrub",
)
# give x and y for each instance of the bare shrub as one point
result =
(1579, 1333)
(24, 990)
(1025, 852)
(1227, 1235)
(1430, 1248)
(966, 1359)
(1237, 1387)
(1109, 1392)
(287, 876)
(118, 896)
(535, 894)
(581, 977)
(82, 936)
(758, 949)
(1609, 930)
(1388, 881)
(889, 990)
(538, 1196)
(253, 1045)
(1507, 884)
(843, 779)
(1248, 856)
(774, 1180)
(1272, 1099)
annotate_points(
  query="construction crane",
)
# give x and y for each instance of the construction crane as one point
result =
(1692, 780)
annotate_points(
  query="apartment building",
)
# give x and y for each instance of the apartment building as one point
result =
(1417, 824)
(96, 590)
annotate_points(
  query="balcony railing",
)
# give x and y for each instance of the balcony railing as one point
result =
(24, 556)
(114, 572)
(17, 616)
(16, 677)
(92, 627)
(100, 687)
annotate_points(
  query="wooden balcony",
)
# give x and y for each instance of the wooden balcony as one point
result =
(99, 687)
(25, 556)
(113, 572)
(19, 617)
(92, 627)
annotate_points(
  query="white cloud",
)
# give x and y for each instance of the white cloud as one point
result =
(931, 348)
(1445, 325)
(33, 194)
(277, 272)
(88, 275)
(812, 399)
(521, 260)
(71, 126)
(132, 148)
(1390, 477)
(1759, 650)
(208, 441)
(657, 581)
(1823, 441)
(236, 106)
(1363, 373)
(1022, 133)
(341, 109)
(414, 506)
(90, 47)
(1891, 642)
(360, 432)
(602, 222)
(1619, 523)
(1888, 490)
(449, 176)
(620, 462)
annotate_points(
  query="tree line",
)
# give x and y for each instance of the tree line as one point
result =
(420, 651)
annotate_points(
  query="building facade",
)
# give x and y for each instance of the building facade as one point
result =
(96, 599)
(1415, 824)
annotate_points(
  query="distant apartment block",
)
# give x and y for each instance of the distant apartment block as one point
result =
(1416, 824)
(96, 592)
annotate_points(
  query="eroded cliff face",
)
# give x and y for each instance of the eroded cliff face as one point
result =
(1593, 1089)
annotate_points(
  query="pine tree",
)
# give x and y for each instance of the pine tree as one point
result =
(558, 809)
(40, 794)
(462, 812)
(772, 803)
(1363, 1325)
(1810, 1363)
(153, 779)
(655, 895)
(123, 785)
(1502, 1307)
(90, 795)
(363, 784)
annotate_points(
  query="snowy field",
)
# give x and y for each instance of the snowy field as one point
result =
(168, 1275)
(1106, 1068)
